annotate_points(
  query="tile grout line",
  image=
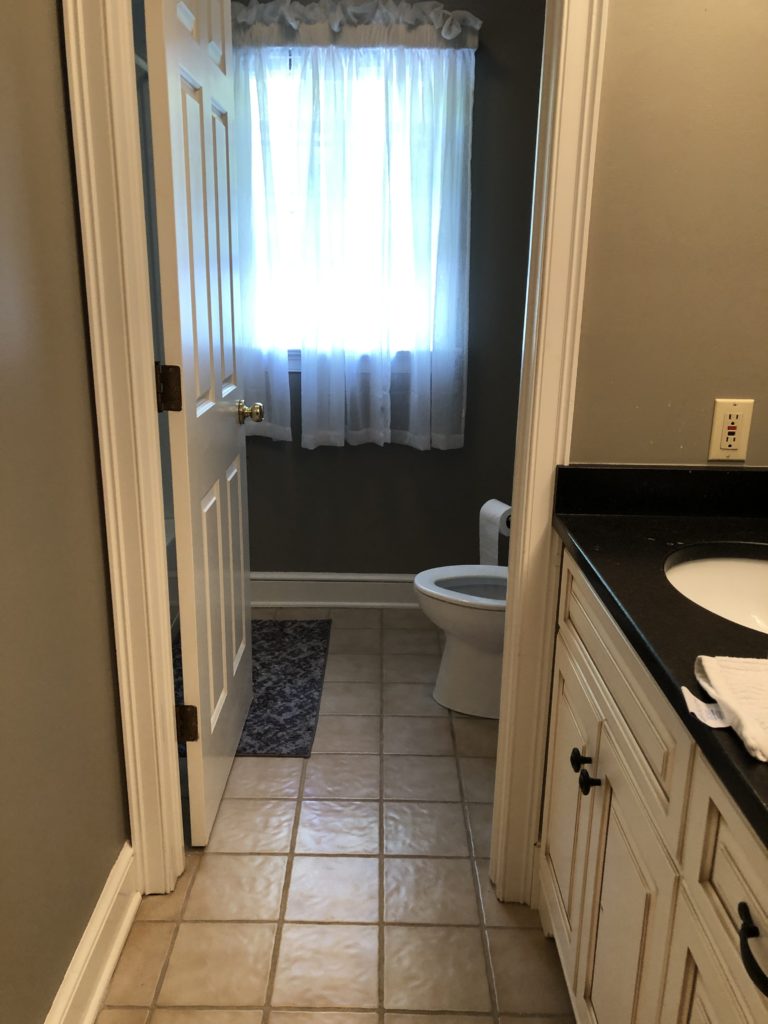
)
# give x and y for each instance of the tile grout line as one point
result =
(277, 941)
(490, 979)
(177, 927)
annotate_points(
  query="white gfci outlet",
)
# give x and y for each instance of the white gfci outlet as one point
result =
(730, 429)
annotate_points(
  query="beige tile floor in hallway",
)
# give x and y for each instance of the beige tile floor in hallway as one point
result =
(352, 887)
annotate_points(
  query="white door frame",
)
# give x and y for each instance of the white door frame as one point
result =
(572, 64)
(100, 64)
(105, 127)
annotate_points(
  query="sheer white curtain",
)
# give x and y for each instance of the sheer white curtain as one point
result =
(354, 222)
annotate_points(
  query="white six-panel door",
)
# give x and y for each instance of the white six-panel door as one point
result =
(192, 97)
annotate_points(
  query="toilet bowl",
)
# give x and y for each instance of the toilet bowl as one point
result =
(468, 603)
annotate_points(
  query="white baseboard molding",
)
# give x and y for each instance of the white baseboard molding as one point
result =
(84, 987)
(331, 590)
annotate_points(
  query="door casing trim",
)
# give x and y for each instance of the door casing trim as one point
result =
(105, 131)
(100, 68)
(572, 68)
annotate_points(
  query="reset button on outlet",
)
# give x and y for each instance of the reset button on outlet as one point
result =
(730, 429)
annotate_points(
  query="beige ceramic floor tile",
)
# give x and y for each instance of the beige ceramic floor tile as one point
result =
(409, 735)
(410, 641)
(477, 776)
(351, 698)
(410, 668)
(219, 964)
(333, 826)
(527, 972)
(427, 829)
(354, 641)
(168, 907)
(260, 777)
(327, 965)
(405, 618)
(207, 1017)
(121, 1015)
(443, 1018)
(503, 915)
(138, 969)
(347, 734)
(435, 969)
(411, 699)
(356, 618)
(253, 826)
(322, 1017)
(429, 891)
(476, 737)
(334, 889)
(237, 887)
(342, 777)
(480, 820)
(568, 1019)
(353, 668)
(420, 778)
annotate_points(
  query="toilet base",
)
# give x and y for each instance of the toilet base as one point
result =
(469, 679)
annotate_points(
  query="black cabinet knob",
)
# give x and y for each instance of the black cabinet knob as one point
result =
(747, 931)
(578, 759)
(586, 782)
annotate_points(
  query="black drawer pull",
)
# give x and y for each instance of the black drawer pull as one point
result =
(586, 782)
(578, 759)
(749, 930)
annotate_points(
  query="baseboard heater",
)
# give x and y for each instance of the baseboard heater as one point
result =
(331, 590)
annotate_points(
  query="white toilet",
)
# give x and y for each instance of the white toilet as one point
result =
(467, 602)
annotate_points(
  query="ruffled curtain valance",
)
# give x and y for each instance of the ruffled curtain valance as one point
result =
(363, 23)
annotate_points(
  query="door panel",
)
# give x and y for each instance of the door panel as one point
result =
(192, 100)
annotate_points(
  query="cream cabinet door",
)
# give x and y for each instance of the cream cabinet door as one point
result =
(575, 726)
(696, 988)
(630, 890)
(191, 99)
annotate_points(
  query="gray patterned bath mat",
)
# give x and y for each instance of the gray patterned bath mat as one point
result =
(289, 658)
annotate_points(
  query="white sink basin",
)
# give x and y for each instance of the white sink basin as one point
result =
(735, 588)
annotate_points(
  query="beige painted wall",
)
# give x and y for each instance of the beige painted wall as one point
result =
(676, 303)
(62, 793)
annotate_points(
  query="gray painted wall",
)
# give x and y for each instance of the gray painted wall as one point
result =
(63, 806)
(394, 509)
(676, 304)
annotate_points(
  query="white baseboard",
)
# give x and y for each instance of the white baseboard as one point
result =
(82, 991)
(331, 590)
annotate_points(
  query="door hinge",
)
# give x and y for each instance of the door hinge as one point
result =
(186, 723)
(168, 385)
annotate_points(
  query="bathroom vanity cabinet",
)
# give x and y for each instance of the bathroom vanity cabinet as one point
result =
(645, 860)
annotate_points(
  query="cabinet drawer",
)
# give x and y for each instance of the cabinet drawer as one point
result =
(725, 864)
(654, 737)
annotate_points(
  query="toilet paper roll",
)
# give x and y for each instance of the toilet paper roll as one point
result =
(494, 521)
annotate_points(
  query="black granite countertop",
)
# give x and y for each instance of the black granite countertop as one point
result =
(623, 556)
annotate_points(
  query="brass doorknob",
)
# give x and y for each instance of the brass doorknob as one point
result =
(255, 412)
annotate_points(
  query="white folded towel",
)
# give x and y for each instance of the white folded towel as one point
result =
(740, 687)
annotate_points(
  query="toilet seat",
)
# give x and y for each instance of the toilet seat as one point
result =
(447, 583)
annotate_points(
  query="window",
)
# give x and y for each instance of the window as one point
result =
(353, 167)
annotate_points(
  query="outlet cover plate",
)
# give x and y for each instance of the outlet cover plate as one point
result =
(729, 437)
